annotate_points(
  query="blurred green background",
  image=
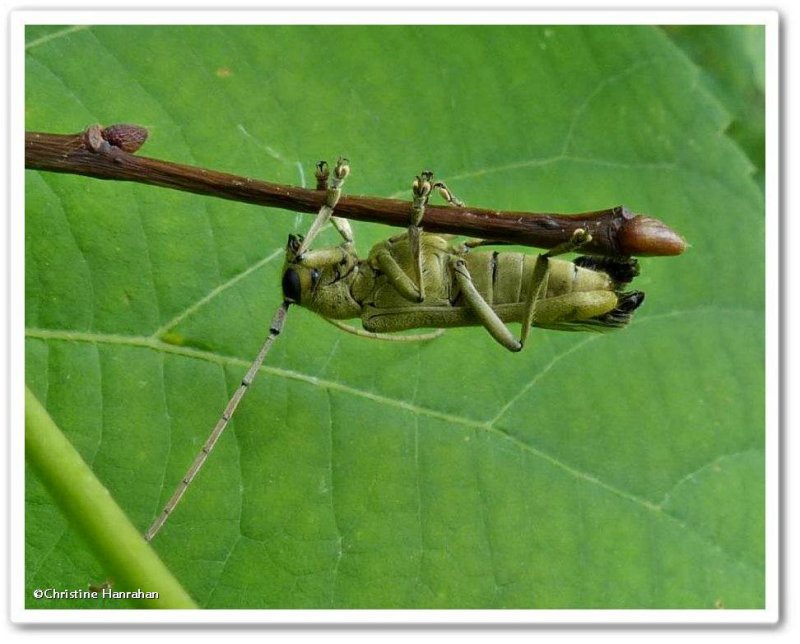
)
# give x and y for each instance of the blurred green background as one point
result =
(617, 471)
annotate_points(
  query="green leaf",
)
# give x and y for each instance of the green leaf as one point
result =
(732, 59)
(615, 471)
(136, 569)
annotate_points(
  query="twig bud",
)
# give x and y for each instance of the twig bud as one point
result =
(125, 137)
(643, 236)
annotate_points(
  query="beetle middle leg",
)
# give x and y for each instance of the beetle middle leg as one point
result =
(488, 316)
(421, 189)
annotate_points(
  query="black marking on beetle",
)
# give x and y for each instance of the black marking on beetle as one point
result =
(620, 270)
(620, 316)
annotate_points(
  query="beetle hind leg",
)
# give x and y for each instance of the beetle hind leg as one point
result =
(485, 313)
(541, 275)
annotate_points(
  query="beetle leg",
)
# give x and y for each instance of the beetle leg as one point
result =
(333, 191)
(343, 227)
(421, 189)
(541, 274)
(475, 243)
(398, 278)
(475, 301)
(579, 237)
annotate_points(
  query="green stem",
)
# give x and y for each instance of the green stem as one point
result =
(83, 499)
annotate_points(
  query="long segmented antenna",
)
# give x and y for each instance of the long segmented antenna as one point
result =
(333, 192)
(275, 328)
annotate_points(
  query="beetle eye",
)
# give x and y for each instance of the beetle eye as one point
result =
(291, 285)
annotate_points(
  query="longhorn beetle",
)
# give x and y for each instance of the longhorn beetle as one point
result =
(417, 280)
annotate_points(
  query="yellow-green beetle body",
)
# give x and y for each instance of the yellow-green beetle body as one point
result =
(461, 288)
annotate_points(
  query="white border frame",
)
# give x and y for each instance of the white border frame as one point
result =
(19, 614)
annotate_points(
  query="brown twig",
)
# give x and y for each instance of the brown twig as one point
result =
(108, 154)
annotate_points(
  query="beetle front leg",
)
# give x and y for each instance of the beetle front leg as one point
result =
(333, 191)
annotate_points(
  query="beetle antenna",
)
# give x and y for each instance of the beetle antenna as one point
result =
(275, 328)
